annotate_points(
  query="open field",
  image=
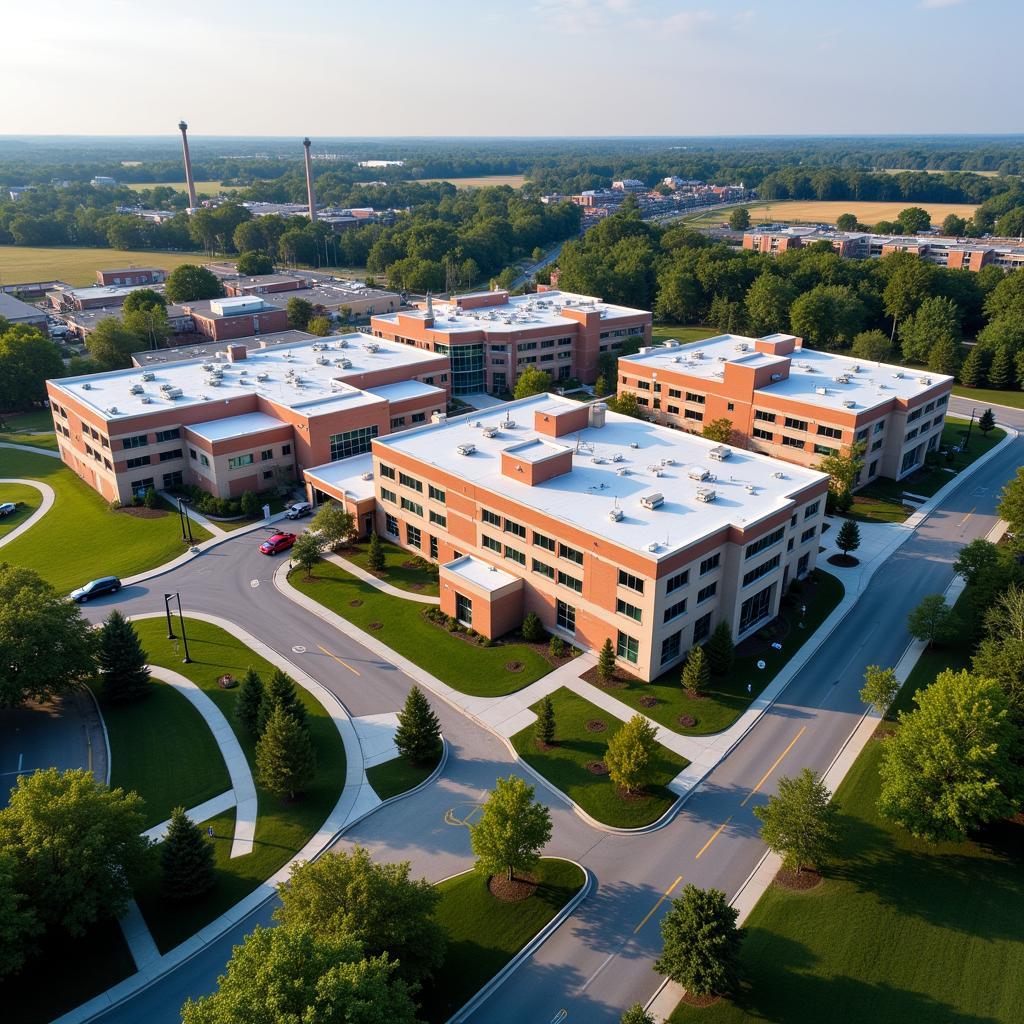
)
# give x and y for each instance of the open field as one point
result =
(812, 211)
(989, 396)
(209, 187)
(684, 335)
(484, 180)
(25, 263)
(925, 170)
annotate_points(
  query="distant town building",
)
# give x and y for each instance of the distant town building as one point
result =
(381, 163)
(131, 276)
(14, 311)
(103, 181)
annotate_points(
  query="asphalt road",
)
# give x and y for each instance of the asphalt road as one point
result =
(599, 961)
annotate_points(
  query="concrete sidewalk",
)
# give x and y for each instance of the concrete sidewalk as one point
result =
(44, 506)
(367, 577)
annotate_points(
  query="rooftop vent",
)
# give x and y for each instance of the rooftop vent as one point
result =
(466, 449)
(262, 376)
(751, 489)
(699, 354)
(598, 460)
(145, 399)
(654, 500)
(849, 404)
(490, 431)
(924, 380)
(653, 546)
(821, 391)
(368, 475)
(136, 389)
(508, 424)
(898, 375)
(742, 347)
(779, 475)
(617, 457)
(173, 393)
(720, 453)
(634, 444)
(668, 462)
(372, 346)
(149, 376)
(856, 367)
(86, 386)
(698, 473)
(842, 379)
(706, 494)
(112, 410)
(622, 471)
(615, 514)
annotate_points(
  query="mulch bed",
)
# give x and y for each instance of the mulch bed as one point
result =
(597, 768)
(687, 721)
(512, 892)
(699, 1002)
(144, 513)
(649, 702)
(514, 666)
(227, 682)
(596, 725)
(843, 561)
(617, 681)
(797, 881)
(416, 586)
(355, 602)
(376, 625)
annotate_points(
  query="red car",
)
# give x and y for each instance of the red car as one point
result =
(279, 542)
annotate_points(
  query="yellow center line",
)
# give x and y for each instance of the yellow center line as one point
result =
(650, 913)
(778, 761)
(717, 833)
(338, 660)
(968, 516)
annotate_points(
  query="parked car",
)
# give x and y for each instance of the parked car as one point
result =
(96, 588)
(299, 510)
(7, 508)
(279, 542)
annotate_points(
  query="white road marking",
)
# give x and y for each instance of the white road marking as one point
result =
(560, 1016)
(254, 583)
(608, 960)
(298, 649)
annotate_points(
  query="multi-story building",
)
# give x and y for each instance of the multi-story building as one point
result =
(241, 420)
(239, 317)
(492, 337)
(131, 276)
(793, 403)
(604, 525)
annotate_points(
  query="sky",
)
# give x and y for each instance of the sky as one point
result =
(538, 67)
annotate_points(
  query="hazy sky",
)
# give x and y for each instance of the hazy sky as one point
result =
(541, 67)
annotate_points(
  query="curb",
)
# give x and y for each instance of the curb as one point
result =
(103, 726)
(49, 499)
(483, 994)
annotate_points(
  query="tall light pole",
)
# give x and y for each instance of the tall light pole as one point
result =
(181, 621)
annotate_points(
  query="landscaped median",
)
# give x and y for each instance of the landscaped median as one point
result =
(401, 569)
(397, 776)
(28, 499)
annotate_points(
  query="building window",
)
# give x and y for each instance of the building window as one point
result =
(266, 455)
(412, 506)
(564, 551)
(821, 449)
(138, 441)
(418, 417)
(387, 471)
(691, 397)
(463, 609)
(707, 592)
(388, 495)
(565, 616)
(436, 494)
(203, 460)
(142, 460)
(238, 461)
(673, 611)
(766, 541)
(670, 648)
(794, 424)
(516, 529)
(570, 581)
(408, 481)
(835, 432)
(915, 415)
(168, 435)
(491, 544)
(710, 563)
(877, 445)
(172, 479)
(397, 421)
(762, 570)
(764, 435)
(268, 474)
(491, 518)
(174, 453)
(862, 435)
(348, 443)
(625, 608)
(433, 547)
(141, 485)
(543, 542)
(412, 535)
(287, 448)
(760, 414)
(627, 579)
(792, 442)
(675, 582)
(627, 648)
(801, 566)
(543, 569)
(516, 556)
(390, 524)
(436, 517)
(808, 534)
(702, 628)
(879, 426)
(690, 414)
(674, 393)
(756, 608)
(812, 509)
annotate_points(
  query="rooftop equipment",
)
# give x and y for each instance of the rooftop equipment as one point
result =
(652, 501)
(706, 494)
(720, 453)
(466, 449)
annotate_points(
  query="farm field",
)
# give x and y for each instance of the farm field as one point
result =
(78, 266)
(811, 211)
(209, 187)
(927, 170)
(513, 180)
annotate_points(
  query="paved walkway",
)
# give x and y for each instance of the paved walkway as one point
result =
(203, 812)
(30, 448)
(368, 577)
(47, 503)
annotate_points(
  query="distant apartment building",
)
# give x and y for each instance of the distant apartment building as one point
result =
(241, 420)
(131, 276)
(492, 337)
(793, 403)
(607, 527)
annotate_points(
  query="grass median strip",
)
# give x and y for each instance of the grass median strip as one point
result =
(462, 664)
(28, 499)
(582, 732)
(398, 776)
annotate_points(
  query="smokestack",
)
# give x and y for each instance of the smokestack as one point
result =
(309, 181)
(189, 181)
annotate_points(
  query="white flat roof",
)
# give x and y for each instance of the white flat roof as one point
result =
(346, 475)
(405, 389)
(235, 426)
(541, 309)
(478, 572)
(613, 467)
(868, 385)
(316, 364)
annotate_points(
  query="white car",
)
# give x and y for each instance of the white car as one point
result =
(299, 510)
(7, 508)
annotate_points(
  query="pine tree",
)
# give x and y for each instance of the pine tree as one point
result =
(601, 387)
(418, 737)
(250, 698)
(121, 661)
(720, 649)
(972, 373)
(606, 660)
(280, 692)
(532, 628)
(848, 538)
(987, 421)
(545, 728)
(696, 674)
(186, 858)
(285, 761)
(1000, 373)
(375, 554)
(944, 357)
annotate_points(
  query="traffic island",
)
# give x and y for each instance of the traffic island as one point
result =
(398, 776)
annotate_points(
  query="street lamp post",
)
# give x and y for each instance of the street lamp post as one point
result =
(167, 610)
(970, 424)
(185, 522)
(181, 621)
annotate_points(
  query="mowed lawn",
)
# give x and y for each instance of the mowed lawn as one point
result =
(484, 933)
(481, 181)
(988, 396)
(409, 577)
(470, 668)
(397, 776)
(77, 266)
(32, 428)
(28, 499)
(684, 335)
(80, 538)
(813, 211)
(576, 747)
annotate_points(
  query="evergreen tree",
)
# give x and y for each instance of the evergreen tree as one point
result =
(606, 660)
(375, 553)
(418, 737)
(545, 728)
(1000, 373)
(944, 357)
(720, 649)
(848, 538)
(986, 422)
(186, 858)
(280, 693)
(972, 373)
(121, 661)
(250, 698)
(696, 674)
(532, 628)
(285, 760)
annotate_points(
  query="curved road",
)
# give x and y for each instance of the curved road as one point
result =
(599, 961)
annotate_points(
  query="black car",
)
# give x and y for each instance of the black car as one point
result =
(96, 588)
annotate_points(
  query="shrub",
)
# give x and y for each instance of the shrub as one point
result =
(249, 505)
(150, 499)
(556, 648)
(533, 628)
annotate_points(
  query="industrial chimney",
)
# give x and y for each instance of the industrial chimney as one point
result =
(309, 181)
(189, 181)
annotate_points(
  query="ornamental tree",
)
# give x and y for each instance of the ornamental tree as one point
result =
(333, 524)
(630, 754)
(800, 822)
(511, 831)
(880, 687)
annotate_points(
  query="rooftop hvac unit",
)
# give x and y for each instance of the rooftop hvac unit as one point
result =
(173, 393)
(821, 391)
(112, 410)
(262, 376)
(668, 462)
(615, 515)
(721, 359)
(368, 475)
(634, 444)
(653, 546)
(924, 380)
(466, 449)
(856, 367)
(372, 346)
(166, 387)
(598, 461)
(842, 379)
(751, 489)
(145, 399)
(699, 354)
(207, 367)
(344, 363)
(213, 382)
(343, 343)
(136, 389)
(720, 453)
(849, 404)
(677, 359)
(622, 471)
(654, 500)
(490, 431)
(322, 361)
(656, 470)
(742, 347)
(86, 386)
(706, 494)
(508, 424)
(617, 457)
(776, 377)
(779, 475)
(698, 473)
(149, 376)
(898, 375)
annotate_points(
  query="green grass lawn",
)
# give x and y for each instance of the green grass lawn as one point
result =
(28, 499)
(162, 748)
(398, 775)
(480, 671)
(667, 332)
(484, 933)
(22, 264)
(32, 428)
(565, 764)
(727, 698)
(989, 396)
(106, 543)
(282, 829)
(405, 577)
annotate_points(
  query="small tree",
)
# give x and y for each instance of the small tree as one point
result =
(186, 858)
(299, 312)
(250, 698)
(601, 386)
(375, 554)
(556, 647)
(285, 760)
(929, 621)
(636, 1014)
(986, 422)
(696, 674)
(848, 538)
(532, 382)
(799, 823)
(700, 942)
(319, 325)
(739, 219)
(630, 752)
(280, 692)
(418, 737)
(626, 405)
(720, 649)
(975, 559)
(880, 687)
(606, 660)
(545, 727)
(306, 552)
(121, 661)
(718, 430)
(250, 505)
(511, 831)
(532, 628)
(333, 525)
